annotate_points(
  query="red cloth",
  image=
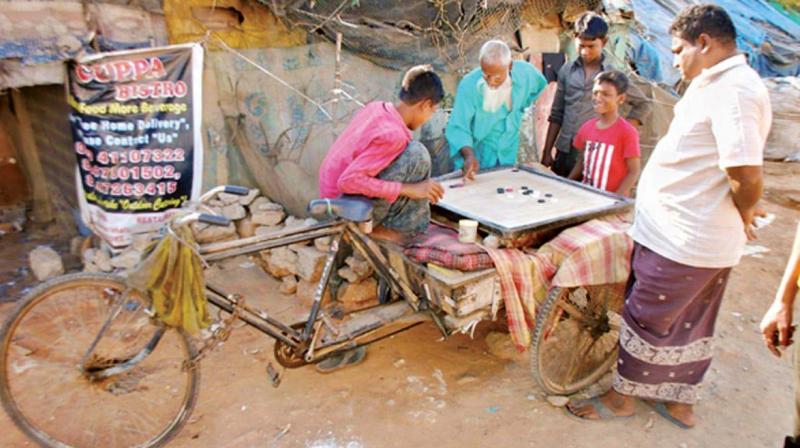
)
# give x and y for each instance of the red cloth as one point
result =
(375, 137)
(440, 245)
(605, 151)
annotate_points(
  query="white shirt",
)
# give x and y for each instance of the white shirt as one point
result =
(684, 207)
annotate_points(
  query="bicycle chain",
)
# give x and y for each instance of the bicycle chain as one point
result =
(220, 335)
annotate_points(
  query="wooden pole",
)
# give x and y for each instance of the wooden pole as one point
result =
(42, 210)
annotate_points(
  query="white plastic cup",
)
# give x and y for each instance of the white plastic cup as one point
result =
(467, 231)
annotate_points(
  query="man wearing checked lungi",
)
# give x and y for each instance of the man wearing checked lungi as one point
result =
(696, 202)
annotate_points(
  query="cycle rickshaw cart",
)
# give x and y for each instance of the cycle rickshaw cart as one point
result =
(86, 363)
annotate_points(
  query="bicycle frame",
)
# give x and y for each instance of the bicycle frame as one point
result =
(306, 342)
(307, 339)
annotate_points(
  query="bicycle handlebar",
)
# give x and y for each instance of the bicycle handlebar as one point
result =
(233, 189)
(214, 220)
(197, 211)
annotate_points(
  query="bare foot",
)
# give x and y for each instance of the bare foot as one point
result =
(620, 405)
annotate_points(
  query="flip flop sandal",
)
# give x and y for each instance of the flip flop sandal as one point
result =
(342, 360)
(662, 410)
(601, 409)
(384, 292)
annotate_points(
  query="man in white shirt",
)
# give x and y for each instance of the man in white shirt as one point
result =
(696, 202)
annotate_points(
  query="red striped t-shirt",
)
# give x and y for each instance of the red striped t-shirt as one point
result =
(605, 151)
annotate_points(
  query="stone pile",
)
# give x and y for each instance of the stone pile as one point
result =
(298, 266)
(45, 263)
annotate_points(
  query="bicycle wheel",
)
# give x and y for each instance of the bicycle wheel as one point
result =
(576, 335)
(46, 384)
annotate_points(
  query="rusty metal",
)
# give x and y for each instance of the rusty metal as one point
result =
(219, 335)
(287, 355)
(274, 376)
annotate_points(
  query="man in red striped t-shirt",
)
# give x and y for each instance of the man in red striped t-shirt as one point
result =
(607, 145)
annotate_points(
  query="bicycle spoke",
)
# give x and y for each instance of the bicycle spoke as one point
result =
(573, 311)
(137, 407)
(576, 343)
(576, 357)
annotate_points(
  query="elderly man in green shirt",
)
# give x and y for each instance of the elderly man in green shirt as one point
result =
(483, 131)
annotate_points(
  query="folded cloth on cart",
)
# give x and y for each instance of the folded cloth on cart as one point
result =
(172, 275)
(440, 245)
(593, 253)
(597, 252)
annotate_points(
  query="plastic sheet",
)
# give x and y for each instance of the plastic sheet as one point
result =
(765, 34)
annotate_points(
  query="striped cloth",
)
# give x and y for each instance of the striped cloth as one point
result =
(593, 253)
(517, 286)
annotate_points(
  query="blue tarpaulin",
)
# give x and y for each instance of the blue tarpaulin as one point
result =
(41, 50)
(768, 37)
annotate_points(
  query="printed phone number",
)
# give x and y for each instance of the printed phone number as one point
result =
(128, 189)
(156, 172)
(132, 155)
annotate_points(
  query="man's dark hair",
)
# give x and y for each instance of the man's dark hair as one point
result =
(591, 26)
(699, 19)
(421, 85)
(615, 78)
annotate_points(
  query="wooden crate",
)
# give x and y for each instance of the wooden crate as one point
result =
(464, 297)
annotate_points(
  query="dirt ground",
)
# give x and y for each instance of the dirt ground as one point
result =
(416, 390)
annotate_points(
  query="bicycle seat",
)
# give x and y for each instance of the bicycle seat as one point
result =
(349, 208)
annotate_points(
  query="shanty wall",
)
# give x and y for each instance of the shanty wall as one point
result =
(50, 120)
(261, 133)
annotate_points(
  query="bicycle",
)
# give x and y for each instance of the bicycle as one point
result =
(95, 341)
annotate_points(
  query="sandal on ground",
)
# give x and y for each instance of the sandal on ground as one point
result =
(602, 411)
(342, 360)
(662, 410)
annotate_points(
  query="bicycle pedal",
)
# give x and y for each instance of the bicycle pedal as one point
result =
(273, 375)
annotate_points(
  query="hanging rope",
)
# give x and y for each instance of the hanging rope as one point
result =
(221, 43)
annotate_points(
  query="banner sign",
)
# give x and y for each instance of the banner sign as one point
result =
(136, 125)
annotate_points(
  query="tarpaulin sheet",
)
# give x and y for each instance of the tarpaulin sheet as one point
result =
(792, 13)
(765, 34)
(40, 32)
(36, 37)
(784, 136)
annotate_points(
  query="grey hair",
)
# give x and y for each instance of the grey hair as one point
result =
(495, 52)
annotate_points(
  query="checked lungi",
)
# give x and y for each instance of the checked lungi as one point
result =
(668, 325)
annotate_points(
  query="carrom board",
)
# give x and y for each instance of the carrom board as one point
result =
(511, 201)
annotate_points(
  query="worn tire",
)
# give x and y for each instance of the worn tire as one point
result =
(547, 358)
(40, 294)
